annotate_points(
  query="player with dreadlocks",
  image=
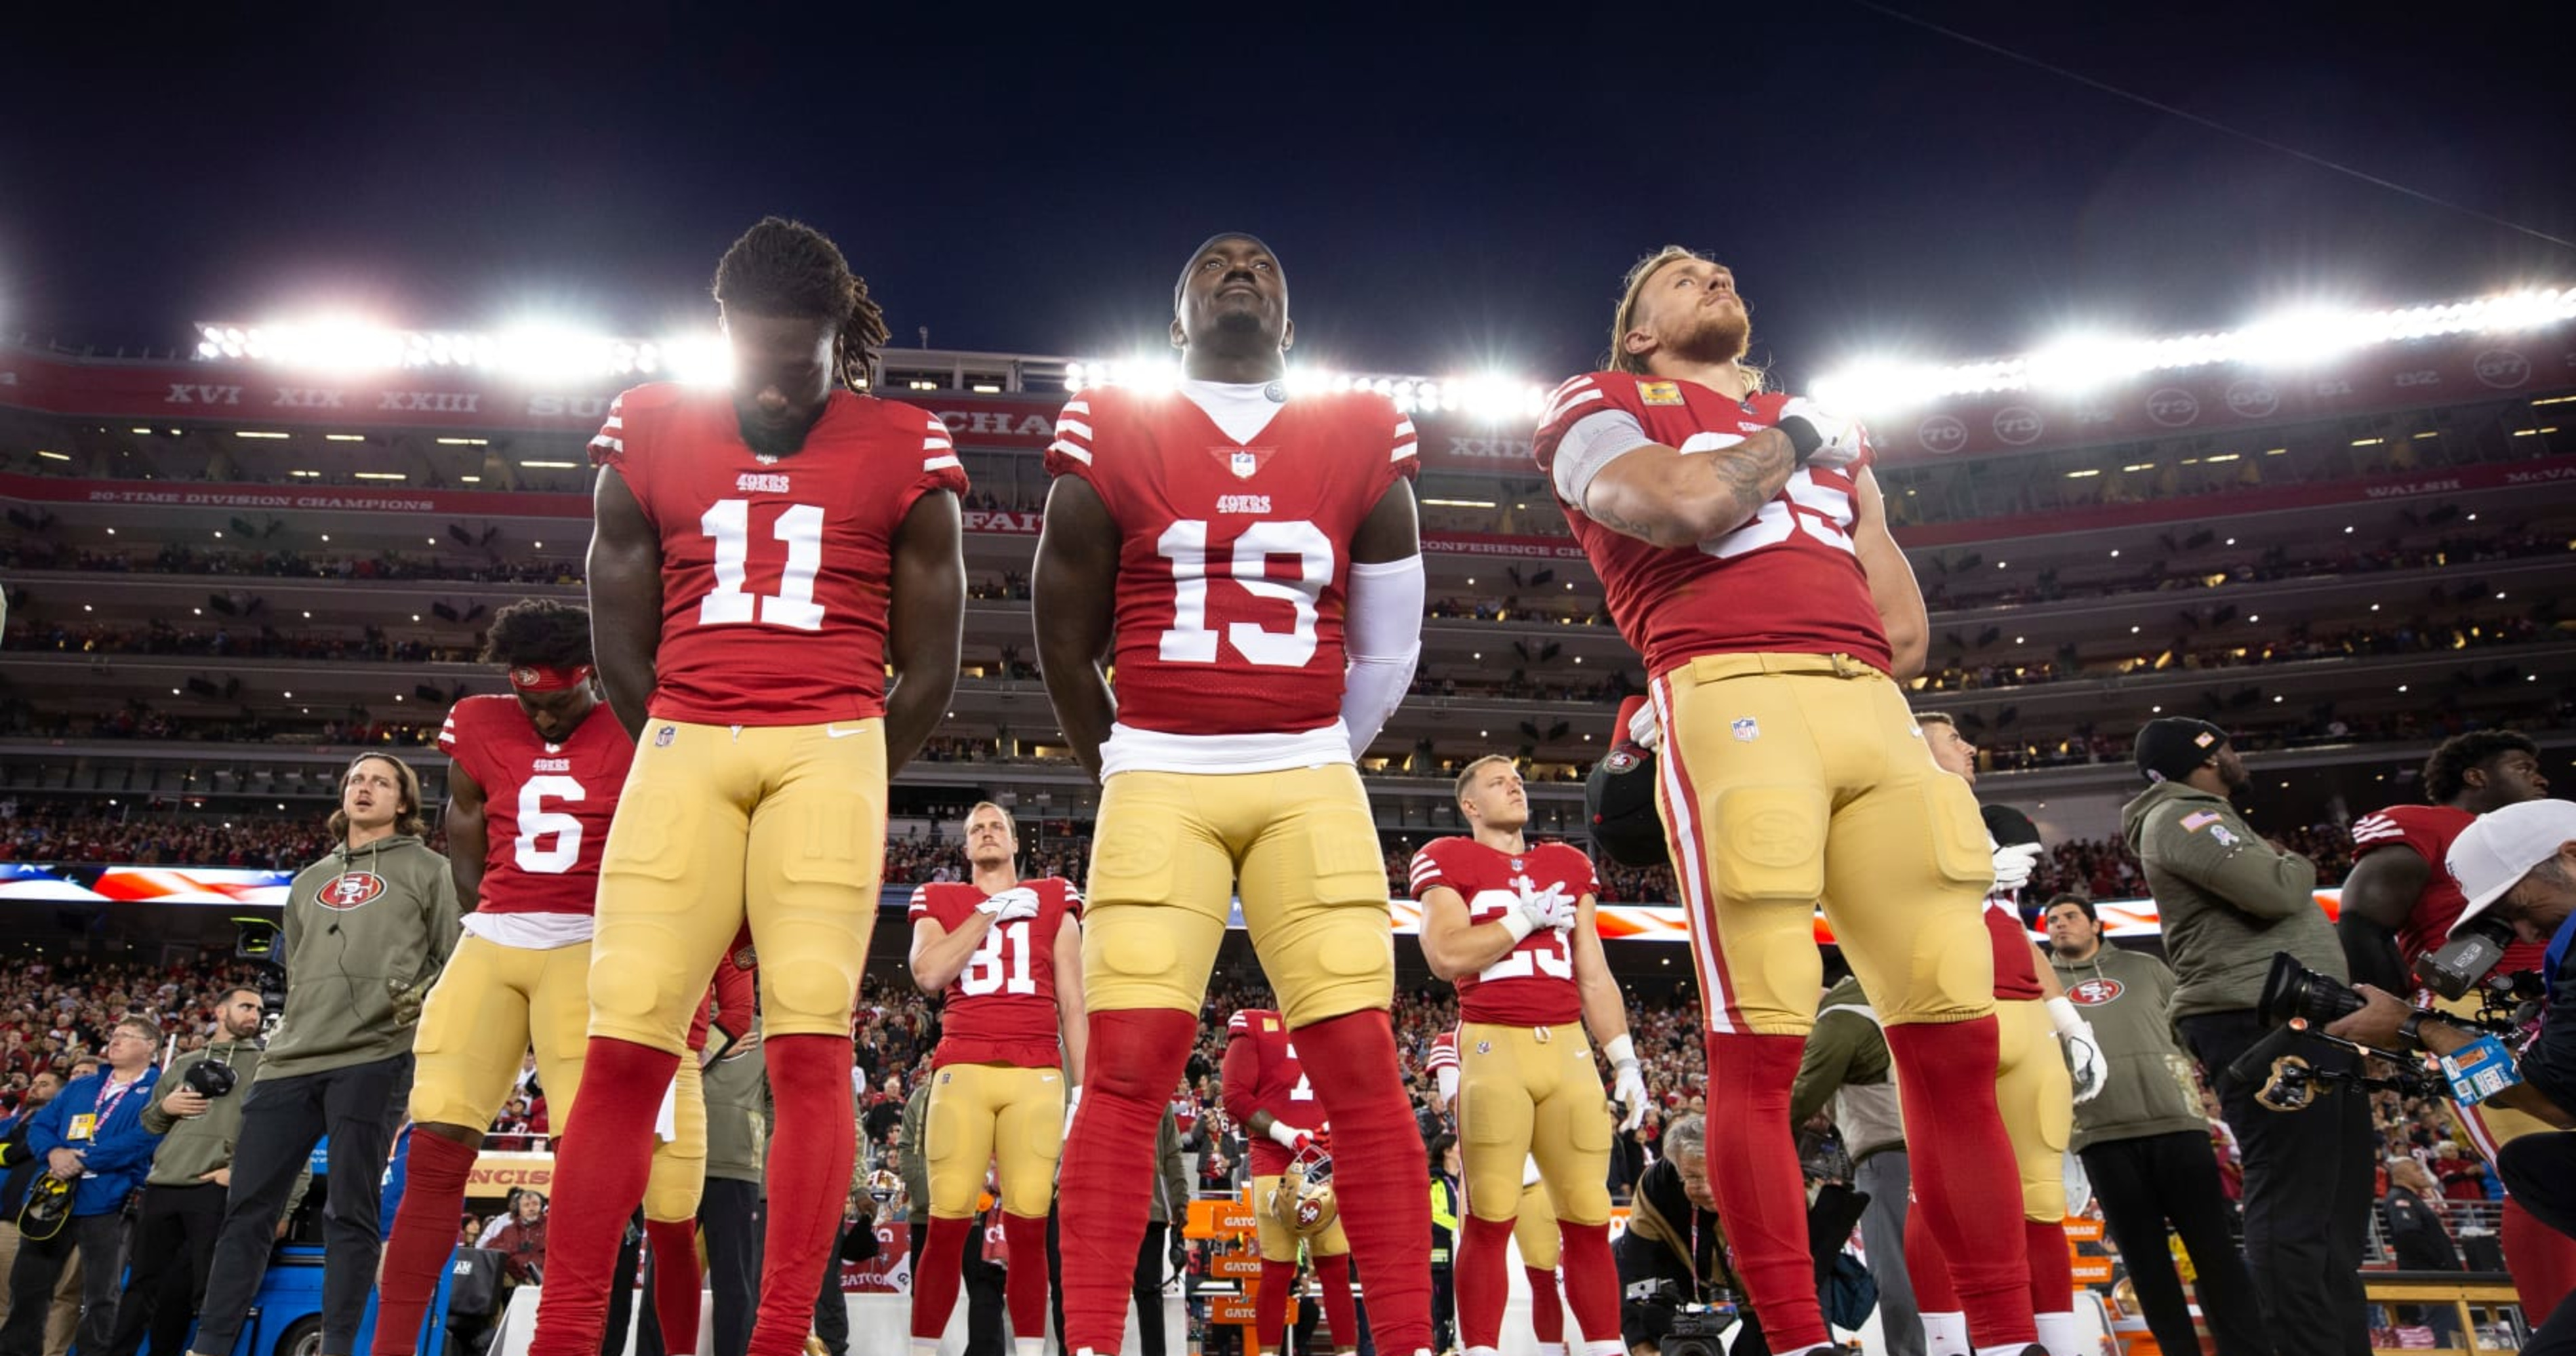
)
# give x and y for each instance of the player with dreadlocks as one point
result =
(533, 782)
(762, 557)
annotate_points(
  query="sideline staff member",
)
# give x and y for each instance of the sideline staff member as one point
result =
(367, 929)
(2520, 863)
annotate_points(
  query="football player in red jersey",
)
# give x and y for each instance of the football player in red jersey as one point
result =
(1534, 1228)
(2400, 902)
(2034, 1089)
(1252, 557)
(762, 557)
(1511, 925)
(1744, 550)
(533, 780)
(1006, 959)
(1268, 1093)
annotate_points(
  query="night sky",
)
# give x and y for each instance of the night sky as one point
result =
(1446, 194)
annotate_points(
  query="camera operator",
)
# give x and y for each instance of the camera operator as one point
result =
(2517, 865)
(2399, 903)
(198, 1119)
(2229, 900)
(1672, 1256)
(366, 930)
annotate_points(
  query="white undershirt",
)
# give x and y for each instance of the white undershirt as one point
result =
(1241, 410)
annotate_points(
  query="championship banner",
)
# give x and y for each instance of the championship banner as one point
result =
(2219, 399)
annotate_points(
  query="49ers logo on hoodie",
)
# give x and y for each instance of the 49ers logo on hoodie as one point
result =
(2094, 992)
(351, 890)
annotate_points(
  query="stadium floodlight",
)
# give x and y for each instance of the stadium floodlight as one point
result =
(2294, 338)
(1488, 396)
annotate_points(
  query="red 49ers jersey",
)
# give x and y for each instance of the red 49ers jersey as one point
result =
(1262, 1074)
(2016, 969)
(1233, 555)
(2427, 831)
(775, 571)
(1001, 1008)
(1787, 582)
(1533, 984)
(546, 807)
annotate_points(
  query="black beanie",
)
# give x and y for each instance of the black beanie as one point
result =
(2169, 748)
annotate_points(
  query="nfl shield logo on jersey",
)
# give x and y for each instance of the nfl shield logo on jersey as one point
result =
(1243, 464)
(1748, 729)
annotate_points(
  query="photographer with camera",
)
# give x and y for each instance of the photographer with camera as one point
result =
(1672, 1259)
(199, 1120)
(2229, 900)
(2399, 904)
(2516, 865)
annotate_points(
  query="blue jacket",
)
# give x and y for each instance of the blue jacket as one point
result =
(118, 1154)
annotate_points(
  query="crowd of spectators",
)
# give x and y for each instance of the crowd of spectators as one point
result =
(2186, 654)
(56, 1009)
(337, 566)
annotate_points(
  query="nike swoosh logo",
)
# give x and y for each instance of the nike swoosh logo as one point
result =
(840, 734)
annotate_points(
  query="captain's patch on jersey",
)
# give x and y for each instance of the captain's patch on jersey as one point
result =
(1747, 729)
(1660, 392)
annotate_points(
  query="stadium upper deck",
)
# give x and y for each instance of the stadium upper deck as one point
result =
(246, 561)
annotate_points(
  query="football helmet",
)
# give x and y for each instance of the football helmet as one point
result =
(1304, 1200)
(48, 1204)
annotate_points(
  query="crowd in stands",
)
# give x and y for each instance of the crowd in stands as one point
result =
(370, 645)
(2301, 644)
(339, 566)
(56, 1008)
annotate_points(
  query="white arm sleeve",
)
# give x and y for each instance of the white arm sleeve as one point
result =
(1594, 441)
(1382, 635)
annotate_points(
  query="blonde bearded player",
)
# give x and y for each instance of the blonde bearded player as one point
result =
(1249, 559)
(776, 591)
(1534, 1229)
(533, 782)
(2033, 1088)
(1744, 552)
(1511, 925)
(1007, 957)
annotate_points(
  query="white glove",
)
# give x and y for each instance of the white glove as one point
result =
(1550, 908)
(2014, 865)
(2083, 1052)
(1289, 1137)
(1644, 730)
(1627, 1080)
(1841, 437)
(1072, 1102)
(1015, 903)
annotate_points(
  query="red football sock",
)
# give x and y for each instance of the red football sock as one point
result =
(1547, 1311)
(1269, 1304)
(1135, 1061)
(1481, 1280)
(674, 1243)
(1761, 1196)
(1377, 1152)
(1924, 1267)
(936, 1274)
(2542, 1260)
(424, 1235)
(1341, 1317)
(1025, 1289)
(809, 1178)
(600, 1167)
(1968, 1189)
(2052, 1268)
(1591, 1285)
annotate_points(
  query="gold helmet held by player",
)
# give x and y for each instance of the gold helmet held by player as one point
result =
(1304, 1199)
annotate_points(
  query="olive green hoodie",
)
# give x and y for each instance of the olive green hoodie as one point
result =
(2226, 898)
(363, 928)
